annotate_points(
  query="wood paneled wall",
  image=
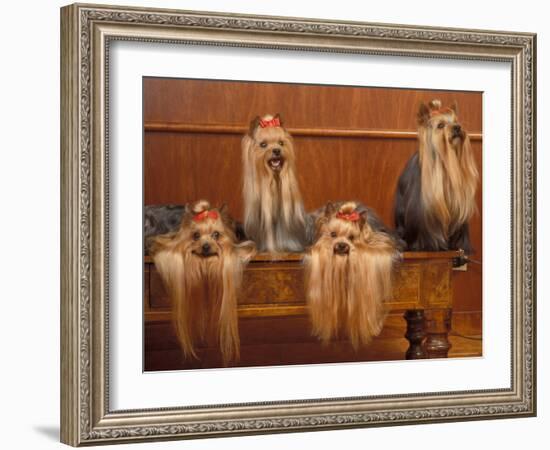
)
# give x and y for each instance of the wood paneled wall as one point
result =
(351, 143)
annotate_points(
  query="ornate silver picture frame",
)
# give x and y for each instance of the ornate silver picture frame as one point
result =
(87, 33)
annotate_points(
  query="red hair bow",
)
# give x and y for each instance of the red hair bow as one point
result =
(205, 215)
(352, 217)
(275, 122)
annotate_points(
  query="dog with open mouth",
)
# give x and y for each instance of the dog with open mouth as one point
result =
(201, 265)
(274, 216)
(348, 273)
(435, 197)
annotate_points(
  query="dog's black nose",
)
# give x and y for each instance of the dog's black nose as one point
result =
(205, 247)
(457, 129)
(341, 248)
(276, 151)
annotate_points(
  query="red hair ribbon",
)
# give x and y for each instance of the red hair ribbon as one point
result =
(352, 217)
(265, 123)
(205, 215)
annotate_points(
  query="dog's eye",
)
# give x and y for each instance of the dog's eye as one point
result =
(196, 236)
(263, 144)
(441, 125)
(281, 143)
(351, 237)
(215, 235)
(333, 234)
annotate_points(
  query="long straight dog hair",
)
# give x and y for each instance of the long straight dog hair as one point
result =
(274, 216)
(435, 195)
(201, 266)
(349, 271)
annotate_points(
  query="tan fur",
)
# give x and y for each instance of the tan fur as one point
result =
(346, 293)
(274, 216)
(203, 290)
(449, 175)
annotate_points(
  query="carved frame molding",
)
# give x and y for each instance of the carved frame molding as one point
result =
(86, 33)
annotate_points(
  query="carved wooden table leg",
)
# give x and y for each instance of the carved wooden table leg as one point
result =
(415, 333)
(438, 325)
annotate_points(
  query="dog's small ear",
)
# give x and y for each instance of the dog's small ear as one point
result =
(320, 222)
(187, 213)
(223, 208)
(226, 218)
(278, 116)
(365, 226)
(454, 107)
(245, 251)
(363, 218)
(330, 209)
(253, 125)
(423, 115)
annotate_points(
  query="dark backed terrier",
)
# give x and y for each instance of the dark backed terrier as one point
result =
(435, 195)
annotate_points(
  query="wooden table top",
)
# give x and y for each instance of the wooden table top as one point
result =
(275, 257)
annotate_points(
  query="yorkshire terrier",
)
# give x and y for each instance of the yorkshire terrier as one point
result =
(201, 265)
(435, 195)
(274, 216)
(349, 272)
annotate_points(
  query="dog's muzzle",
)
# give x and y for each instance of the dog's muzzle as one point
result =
(206, 250)
(276, 161)
(457, 132)
(341, 248)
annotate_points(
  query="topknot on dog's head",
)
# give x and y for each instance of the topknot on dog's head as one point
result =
(349, 212)
(198, 212)
(269, 120)
(335, 210)
(433, 108)
(435, 105)
(266, 121)
(347, 208)
(200, 206)
(201, 210)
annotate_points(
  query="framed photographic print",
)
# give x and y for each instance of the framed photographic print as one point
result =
(275, 224)
(184, 125)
